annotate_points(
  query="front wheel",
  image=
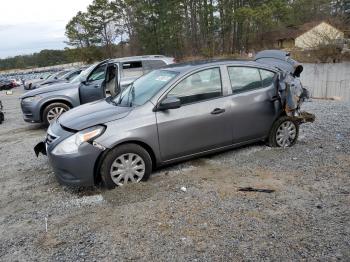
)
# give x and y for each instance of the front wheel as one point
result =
(52, 111)
(284, 132)
(128, 163)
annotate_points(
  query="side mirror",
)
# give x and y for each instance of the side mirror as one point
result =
(169, 103)
(83, 80)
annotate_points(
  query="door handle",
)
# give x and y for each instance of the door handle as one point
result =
(217, 111)
(96, 86)
(274, 98)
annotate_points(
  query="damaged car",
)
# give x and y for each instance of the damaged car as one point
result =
(174, 114)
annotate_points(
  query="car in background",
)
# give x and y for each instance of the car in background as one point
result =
(59, 77)
(28, 84)
(169, 115)
(6, 84)
(16, 82)
(44, 104)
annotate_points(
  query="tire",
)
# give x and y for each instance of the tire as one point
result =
(284, 132)
(112, 163)
(49, 111)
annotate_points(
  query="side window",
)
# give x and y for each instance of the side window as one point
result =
(199, 86)
(244, 79)
(267, 77)
(149, 65)
(132, 69)
(97, 74)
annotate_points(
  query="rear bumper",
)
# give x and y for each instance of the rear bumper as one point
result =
(304, 117)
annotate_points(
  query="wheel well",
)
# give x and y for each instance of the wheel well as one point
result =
(97, 175)
(51, 102)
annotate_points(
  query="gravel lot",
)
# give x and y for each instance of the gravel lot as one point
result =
(306, 218)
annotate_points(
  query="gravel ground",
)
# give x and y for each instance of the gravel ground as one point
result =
(306, 218)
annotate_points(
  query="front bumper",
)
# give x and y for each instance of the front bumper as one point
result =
(70, 169)
(76, 169)
(30, 112)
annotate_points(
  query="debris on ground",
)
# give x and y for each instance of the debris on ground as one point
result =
(251, 189)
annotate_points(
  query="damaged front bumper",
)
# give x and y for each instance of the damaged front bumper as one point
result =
(40, 148)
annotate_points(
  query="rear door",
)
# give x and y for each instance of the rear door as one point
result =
(93, 88)
(203, 120)
(254, 102)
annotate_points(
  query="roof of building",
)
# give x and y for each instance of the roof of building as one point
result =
(292, 32)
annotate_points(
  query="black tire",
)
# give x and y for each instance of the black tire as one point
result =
(2, 117)
(49, 107)
(272, 140)
(119, 151)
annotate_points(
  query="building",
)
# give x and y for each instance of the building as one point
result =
(307, 36)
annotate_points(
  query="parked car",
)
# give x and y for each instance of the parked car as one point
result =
(169, 115)
(28, 84)
(59, 77)
(6, 84)
(15, 82)
(43, 105)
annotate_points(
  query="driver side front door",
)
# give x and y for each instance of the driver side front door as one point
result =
(94, 87)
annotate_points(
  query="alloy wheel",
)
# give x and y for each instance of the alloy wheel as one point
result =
(127, 168)
(54, 113)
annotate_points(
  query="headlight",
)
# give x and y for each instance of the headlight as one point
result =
(30, 99)
(71, 144)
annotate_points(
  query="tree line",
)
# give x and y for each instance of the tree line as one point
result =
(180, 28)
(193, 27)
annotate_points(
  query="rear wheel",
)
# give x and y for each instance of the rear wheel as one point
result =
(52, 111)
(284, 132)
(128, 163)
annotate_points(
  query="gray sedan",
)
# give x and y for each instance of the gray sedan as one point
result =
(169, 115)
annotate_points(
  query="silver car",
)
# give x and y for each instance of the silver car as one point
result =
(44, 104)
(169, 115)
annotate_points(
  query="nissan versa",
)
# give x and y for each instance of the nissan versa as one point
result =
(44, 104)
(171, 114)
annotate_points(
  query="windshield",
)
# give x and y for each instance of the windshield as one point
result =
(83, 74)
(144, 88)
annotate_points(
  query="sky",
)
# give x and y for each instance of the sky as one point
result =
(28, 26)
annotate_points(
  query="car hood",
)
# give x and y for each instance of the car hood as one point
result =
(50, 88)
(91, 114)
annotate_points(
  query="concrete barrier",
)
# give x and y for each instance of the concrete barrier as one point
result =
(327, 80)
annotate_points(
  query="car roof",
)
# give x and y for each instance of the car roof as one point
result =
(188, 66)
(144, 57)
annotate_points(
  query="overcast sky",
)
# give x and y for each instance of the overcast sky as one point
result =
(28, 26)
